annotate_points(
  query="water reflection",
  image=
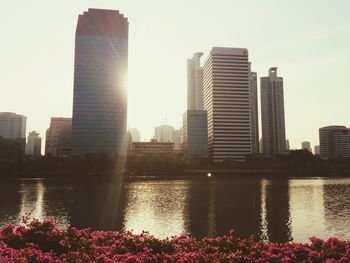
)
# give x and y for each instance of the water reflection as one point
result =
(275, 210)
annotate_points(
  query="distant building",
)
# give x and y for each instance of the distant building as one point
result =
(100, 71)
(130, 140)
(176, 138)
(12, 150)
(317, 150)
(153, 148)
(306, 145)
(33, 147)
(334, 142)
(226, 82)
(195, 83)
(272, 114)
(254, 118)
(12, 125)
(59, 137)
(135, 134)
(195, 133)
(163, 133)
(287, 145)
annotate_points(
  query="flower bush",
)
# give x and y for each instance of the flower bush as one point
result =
(44, 242)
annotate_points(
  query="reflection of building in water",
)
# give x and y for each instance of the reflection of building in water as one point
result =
(10, 202)
(306, 208)
(158, 207)
(275, 216)
(32, 201)
(218, 206)
(98, 204)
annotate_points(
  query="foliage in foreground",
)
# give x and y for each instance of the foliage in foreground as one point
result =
(44, 242)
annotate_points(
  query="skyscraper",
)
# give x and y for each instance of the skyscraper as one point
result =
(334, 142)
(163, 133)
(272, 114)
(59, 137)
(254, 118)
(12, 125)
(195, 83)
(226, 100)
(306, 145)
(33, 147)
(100, 100)
(135, 134)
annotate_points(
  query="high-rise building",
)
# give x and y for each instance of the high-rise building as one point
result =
(59, 137)
(272, 114)
(195, 83)
(100, 98)
(306, 145)
(163, 133)
(12, 125)
(33, 147)
(287, 145)
(195, 133)
(254, 118)
(226, 100)
(317, 150)
(176, 138)
(334, 142)
(135, 134)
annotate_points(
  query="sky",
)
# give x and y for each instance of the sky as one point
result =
(309, 42)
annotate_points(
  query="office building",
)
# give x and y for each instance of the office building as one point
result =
(12, 125)
(317, 150)
(272, 114)
(33, 147)
(135, 134)
(195, 83)
(176, 138)
(226, 100)
(153, 148)
(306, 145)
(59, 137)
(100, 98)
(334, 142)
(163, 133)
(254, 117)
(195, 133)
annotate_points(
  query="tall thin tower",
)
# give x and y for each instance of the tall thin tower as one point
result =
(226, 99)
(100, 72)
(254, 118)
(195, 83)
(272, 114)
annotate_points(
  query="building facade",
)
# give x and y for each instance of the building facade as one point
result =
(334, 142)
(195, 133)
(100, 99)
(254, 117)
(306, 145)
(163, 133)
(59, 137)
(153, 148)
(135, 134)
(317, 150)
(272, 114)
(33, 147)
(176, 138)
(226, 81)
(195, 83)
(12, 125)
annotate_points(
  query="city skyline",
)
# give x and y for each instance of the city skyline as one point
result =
(312, 58)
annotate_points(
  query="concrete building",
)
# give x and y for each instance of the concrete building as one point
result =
(163, 133)
(176, 138)
(195, 133)
(33, 147)
(317, 150)
(254, 117)
(135, 134)
(272, 114)
(334, 142)
(12, 125)
(59, 137)
(226, 81)
(287, 145)
(195, 83)
(153, 148)
(100, 72)
(306, 145)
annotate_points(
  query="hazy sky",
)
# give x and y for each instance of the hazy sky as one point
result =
(309, 42)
